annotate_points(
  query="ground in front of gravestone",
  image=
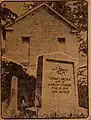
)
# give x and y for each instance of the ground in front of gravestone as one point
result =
(78, 112)
(7, 112)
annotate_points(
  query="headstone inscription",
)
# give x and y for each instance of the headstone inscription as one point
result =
(56, 78)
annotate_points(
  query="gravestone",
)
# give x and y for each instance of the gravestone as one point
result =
(14, 94)
(56, 86)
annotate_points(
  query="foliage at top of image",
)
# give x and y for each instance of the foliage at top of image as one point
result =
(75, 11)
(6, 14)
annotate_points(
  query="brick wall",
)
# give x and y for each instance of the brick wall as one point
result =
(44, 28)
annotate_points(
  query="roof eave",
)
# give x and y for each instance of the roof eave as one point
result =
(30, 11)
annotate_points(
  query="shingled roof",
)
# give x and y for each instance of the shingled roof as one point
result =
(37, 7)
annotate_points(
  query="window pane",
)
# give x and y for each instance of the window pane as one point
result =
(25, 39)
(61, 40)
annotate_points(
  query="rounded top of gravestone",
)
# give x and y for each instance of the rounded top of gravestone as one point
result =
(58, 56)
(14, 78)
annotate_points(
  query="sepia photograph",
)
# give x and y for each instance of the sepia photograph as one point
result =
(44, 59)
